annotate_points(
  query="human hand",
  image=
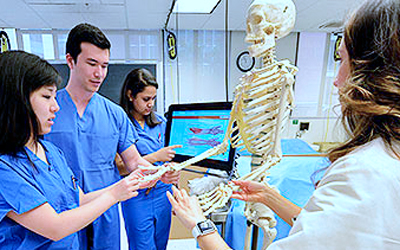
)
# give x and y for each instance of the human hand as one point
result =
(140, 173)
(250, 191)
(171, 176)
(186, 208)
(125, 188)
(167, 153)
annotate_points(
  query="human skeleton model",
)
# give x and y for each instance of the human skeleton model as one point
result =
(260, 109)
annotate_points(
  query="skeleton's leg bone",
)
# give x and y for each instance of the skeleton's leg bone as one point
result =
(247, 238)
(269, 236)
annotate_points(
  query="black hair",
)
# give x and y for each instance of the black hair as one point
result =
(21, 73)
(85, 32)
(136, 81)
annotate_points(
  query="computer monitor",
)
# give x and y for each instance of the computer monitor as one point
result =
(199, 127)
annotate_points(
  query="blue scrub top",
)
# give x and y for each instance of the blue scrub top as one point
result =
(150, 139)
(24, 187)
(91, 142)
(148, 216)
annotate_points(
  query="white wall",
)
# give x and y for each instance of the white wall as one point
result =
(310, 88)
(285, 49)
(320, 130)
(201, 74)
(237, 46)
(198, 72)
(311, 56)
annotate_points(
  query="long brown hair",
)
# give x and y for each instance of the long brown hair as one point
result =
(370, 98)
(136, 81)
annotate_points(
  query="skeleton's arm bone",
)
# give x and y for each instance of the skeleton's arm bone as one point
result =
(221, 148)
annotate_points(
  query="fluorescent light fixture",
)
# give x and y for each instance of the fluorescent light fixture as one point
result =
(195, 6)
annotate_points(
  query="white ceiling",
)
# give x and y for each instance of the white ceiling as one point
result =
(152, 14)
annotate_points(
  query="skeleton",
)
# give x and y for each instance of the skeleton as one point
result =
(260, 108)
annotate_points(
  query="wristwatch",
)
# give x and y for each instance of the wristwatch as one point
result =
(203, 228)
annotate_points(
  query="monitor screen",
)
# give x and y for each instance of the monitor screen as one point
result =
(199, 127)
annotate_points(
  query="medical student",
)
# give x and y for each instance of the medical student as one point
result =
(148, 217)
(41, 203)
(91, 129)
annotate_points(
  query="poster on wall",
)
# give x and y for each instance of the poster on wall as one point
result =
(171, 44)
(336, 56)
(4, 41)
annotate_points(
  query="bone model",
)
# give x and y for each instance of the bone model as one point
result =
(260, 109)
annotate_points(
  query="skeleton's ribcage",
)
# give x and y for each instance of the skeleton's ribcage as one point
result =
(258, 108)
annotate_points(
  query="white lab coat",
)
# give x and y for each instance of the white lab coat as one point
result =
(355, 206)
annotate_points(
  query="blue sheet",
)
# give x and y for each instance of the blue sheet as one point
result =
(295, 178)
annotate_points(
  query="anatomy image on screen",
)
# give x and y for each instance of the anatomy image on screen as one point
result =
(199, 130)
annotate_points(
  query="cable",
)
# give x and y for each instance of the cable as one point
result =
(226, 51)
(177, 60)
(329, 106)
(169, 15)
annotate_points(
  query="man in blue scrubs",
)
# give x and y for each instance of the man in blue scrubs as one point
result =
(90, 129)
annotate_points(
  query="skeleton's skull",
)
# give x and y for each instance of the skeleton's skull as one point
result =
(268, 20)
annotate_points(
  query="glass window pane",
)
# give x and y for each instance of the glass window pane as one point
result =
(143, 45)
(201, 68)
(311, 57)
(134, 46)
(48, 46)
(117, 46)
(27, 43)
(39, 44)
(330, 95)
(61, 42)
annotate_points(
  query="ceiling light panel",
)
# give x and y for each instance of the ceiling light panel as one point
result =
(49, 2)
(195, 7)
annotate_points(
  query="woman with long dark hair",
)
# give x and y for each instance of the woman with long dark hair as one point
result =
(41, 204)
(148, 217)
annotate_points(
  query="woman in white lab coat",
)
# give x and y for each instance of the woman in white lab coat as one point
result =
(356, 203)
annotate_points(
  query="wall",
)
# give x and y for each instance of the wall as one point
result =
(320, 130)
(315, 97)
(197, 74)
(200, 76)
(285, 49)
(311, 60)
